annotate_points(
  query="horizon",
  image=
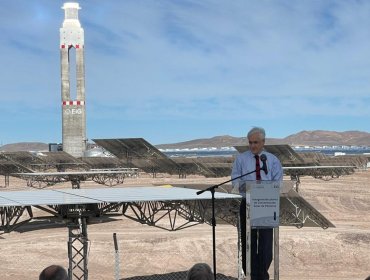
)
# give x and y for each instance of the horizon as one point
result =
(171, 72)
(175, 143)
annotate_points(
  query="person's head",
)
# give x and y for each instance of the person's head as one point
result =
(256, 139)
(200, 271)
(53, 272)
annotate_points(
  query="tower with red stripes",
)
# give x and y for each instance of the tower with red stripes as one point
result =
(73, 82)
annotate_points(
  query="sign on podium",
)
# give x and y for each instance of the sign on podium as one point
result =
(264, 204)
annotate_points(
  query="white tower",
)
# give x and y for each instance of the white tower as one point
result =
(73, 110)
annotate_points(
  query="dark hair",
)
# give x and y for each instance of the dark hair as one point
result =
(200, 271)
(53, 272)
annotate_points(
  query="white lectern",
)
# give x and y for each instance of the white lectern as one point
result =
(262, 211)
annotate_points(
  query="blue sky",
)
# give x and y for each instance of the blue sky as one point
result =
(177, 70)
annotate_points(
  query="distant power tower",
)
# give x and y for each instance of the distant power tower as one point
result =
(73, 79)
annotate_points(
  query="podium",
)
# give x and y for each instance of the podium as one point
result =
(262, 212)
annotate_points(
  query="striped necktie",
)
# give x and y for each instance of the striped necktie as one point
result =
(258, 168)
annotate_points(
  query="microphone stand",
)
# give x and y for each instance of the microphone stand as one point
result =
(212, 190)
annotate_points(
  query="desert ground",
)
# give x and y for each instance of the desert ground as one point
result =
(147, 252)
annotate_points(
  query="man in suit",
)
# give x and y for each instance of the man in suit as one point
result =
(261, 239)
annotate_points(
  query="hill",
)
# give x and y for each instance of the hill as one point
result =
(303, 138)
(329, 138)
(25, 146)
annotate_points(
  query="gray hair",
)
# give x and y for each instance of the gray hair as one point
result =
(259, 130)
(200, 271)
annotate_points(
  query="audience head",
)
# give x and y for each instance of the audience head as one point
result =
(200, 271)
(53, 272)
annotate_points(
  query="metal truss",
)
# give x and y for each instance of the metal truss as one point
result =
(43, 180)
(11, 217)
(180, 214)
(319, 172)
(109, 179)
(295, 211)
(173, 215)
(334, 173)
(78, 248)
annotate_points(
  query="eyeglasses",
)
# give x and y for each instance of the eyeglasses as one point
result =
(253, 142)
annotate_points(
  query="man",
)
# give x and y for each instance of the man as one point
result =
(200, 271)
(261, 239)
(53, 272)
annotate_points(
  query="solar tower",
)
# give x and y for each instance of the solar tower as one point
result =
(73, 82)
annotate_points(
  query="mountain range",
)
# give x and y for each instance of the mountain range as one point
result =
(303, 138)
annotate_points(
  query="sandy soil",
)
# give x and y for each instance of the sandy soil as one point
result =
(342, 252)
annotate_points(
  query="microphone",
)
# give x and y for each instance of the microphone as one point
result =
(264, 165)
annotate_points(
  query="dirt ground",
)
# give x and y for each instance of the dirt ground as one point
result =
(342, 252)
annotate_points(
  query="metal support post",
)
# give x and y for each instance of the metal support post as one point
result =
(240, 265)
(276, 253)
(248, 242)
(6, 180)
(116, 255)
(78, 250)
(244, 274)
